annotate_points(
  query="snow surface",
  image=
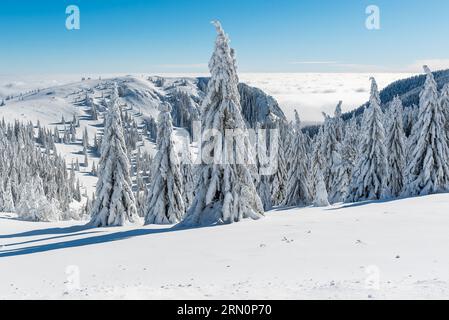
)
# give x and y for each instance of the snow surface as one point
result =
(325, 253)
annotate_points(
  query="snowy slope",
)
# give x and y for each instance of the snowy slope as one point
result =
(49, 105)
(142, 95)
(299, 253)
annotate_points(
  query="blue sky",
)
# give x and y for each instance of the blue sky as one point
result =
(176, 36)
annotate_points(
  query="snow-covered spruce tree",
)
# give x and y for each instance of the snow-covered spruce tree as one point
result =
(33, 204)
(279, 183)
(187, 175)
(348, 153)
(298, 183)
(165, 203)
(333, 170)
(226, 192)
(396, 144)
(369, 179)
(263, 185)
(318, 186)
(444, 102)
(320, 198)
(114, 201)
(428, 163)
(7, 201)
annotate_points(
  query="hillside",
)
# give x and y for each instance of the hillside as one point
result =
(140, 96)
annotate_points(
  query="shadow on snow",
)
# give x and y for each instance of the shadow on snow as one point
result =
(72, 231)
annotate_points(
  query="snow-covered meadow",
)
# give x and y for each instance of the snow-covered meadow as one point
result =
(374, 250)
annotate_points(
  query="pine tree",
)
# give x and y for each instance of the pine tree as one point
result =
(318, 185)
(298, 183)
(428, 163)
(93, 171)
(114, 200)
(85, 139)
(226, 192)
(320, 198)
(187, 175)
(33, 204)
(396, 149)
(444, 102)
(333, 170)
(264, 182)
(7, 201)
(371, 171)
(86, 161)
(278, 185)
(165, 203)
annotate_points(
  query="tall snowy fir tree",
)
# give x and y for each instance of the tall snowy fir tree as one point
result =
(165, 203)
(114, 199)
(317, 184)
(444, 102)
(298, 183)
(428, 163)
(349, 148)
(369, 181)
(333, 171)
(33, 205)
(6, 199)
(396, 144)
(188, 175)
(278, 184)
(263, 165)
(226, 192)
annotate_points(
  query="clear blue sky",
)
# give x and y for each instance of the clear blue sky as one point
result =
(176, 36)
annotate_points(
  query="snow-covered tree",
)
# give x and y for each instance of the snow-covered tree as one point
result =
(428, 163)
(33, 204)
(298, 183)
(320, 198)
(444, 102)
(85, 139)
(114, 201)
(187, 172)
(264, 182)
(396, 148)
(348, 154)
(279, 183)
(333, 171)
(6, 198)
(165, 203)
(369, 179)
(318, 186)
(226, 192)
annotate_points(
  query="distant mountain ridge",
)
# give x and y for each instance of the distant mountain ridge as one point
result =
(407, 89)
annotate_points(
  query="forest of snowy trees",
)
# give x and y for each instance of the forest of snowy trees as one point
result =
(377, 153)
(34, 181)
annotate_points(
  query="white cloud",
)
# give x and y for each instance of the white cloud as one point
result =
(313, 93)
(338, 66)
